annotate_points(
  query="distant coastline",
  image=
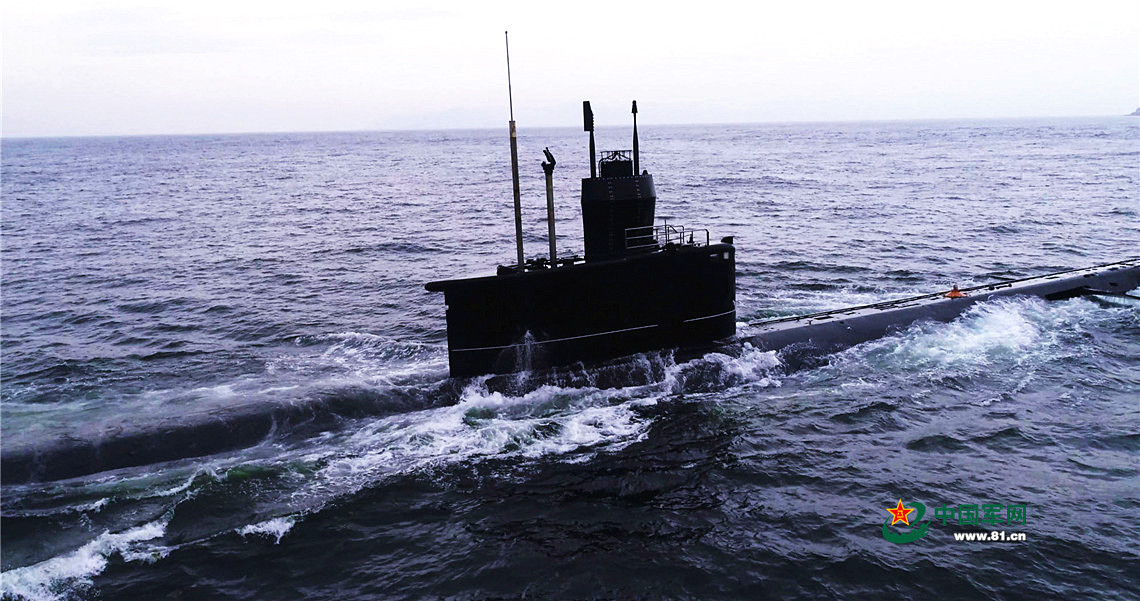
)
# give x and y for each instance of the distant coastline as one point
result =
(1135, 113)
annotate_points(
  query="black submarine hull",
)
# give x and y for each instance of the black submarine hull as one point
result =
(590, 312)
(814, 334)
(830, 331)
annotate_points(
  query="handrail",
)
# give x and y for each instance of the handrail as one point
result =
(616, 155)
(655, 236)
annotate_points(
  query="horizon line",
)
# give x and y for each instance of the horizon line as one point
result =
(5, 136)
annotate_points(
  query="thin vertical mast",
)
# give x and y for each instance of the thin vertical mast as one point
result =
(514, 160)
(636, 154)
(588, 125)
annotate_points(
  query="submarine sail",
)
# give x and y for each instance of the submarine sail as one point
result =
(641, 286)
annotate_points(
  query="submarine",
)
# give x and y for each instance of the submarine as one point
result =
(641, 286)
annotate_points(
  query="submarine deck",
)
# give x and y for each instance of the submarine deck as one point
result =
(830, 330)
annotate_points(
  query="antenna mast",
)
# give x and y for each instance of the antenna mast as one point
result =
(588, 125)
(514, 159)
(636, 171)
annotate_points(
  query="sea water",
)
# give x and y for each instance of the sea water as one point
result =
(258, 301)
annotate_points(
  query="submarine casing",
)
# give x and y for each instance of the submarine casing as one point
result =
(829, 331)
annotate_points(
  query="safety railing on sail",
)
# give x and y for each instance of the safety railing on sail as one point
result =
(616, 155)
(655, 236)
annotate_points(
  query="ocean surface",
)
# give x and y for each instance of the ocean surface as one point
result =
(248, 311)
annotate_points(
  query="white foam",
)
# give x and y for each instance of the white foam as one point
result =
(717, 371)
(360, 357)
(361, 345)
(1124, 301)
(275, 528)
(177, 489)
(570, 423)
(273, 389)
(754, 366)
(54, 578)
(1001, 331)
(221, 391)
(1006, 338)
(94, 506)
(550, 420)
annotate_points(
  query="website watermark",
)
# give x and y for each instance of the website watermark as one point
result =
(977, 515)
(992, 536)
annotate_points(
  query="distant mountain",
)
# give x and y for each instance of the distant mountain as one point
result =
(1135, 113)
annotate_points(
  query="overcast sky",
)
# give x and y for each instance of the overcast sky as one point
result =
(123, 67)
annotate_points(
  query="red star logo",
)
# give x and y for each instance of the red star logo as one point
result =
(899, 512)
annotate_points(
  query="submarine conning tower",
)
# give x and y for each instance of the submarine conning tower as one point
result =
(618, 203)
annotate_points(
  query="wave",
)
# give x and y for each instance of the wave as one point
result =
(150, 306)
(815, 268)
(937, 443)
(231, 426)
(61, 577)
(375, 348)
(1004, 330)
(354, 375)
(537, 420)
(990, 354)
(275, 528)
(549, 420)
(718, 371)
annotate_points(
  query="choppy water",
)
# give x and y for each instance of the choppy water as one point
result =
(271, 285)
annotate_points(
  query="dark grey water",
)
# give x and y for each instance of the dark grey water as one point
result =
(271, 285)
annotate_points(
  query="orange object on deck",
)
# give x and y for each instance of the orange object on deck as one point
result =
(955, 293)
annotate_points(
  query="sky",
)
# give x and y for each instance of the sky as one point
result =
(118, 67)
